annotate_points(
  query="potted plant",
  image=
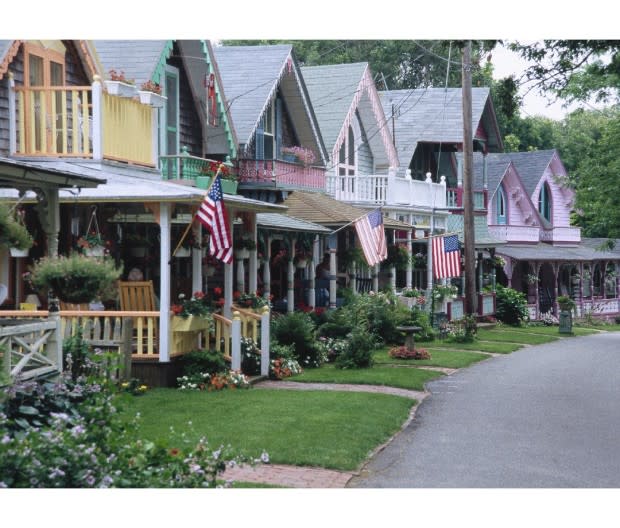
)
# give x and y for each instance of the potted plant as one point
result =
(75, 278)
(117, 84)
(209, 170)
(93, 244)
(566, 304)
(242, 246)
(397, 256)
(251, 300)
(193, 314)
(150, 94)
(13, 232)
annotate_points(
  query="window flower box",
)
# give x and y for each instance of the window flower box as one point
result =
(120, 88)
(152, 99)
(192, 323)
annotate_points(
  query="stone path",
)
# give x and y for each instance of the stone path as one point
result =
(312, 477)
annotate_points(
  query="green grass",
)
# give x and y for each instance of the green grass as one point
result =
(403, 378)
(439, 358)
(551, 330)
(330, 429)
(510, 336)
(491, 347)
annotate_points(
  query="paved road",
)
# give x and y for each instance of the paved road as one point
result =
(544, 416)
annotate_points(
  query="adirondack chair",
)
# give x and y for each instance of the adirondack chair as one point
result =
(138, 296)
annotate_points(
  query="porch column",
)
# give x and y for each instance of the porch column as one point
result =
(375, 278)
(97, 139)
(536, 290)
(556, 271)
(228, 280)
(580, 304)
(409, 272)
(12, 116)
(353, 277)
(48, 209)
(165, 342)
(393, 278)
(253, 263)
(267, 269)
(312, 273)
(290, 278)
(197, 261)
(332, 277)
(240, 275)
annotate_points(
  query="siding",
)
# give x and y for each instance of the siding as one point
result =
(365, 160)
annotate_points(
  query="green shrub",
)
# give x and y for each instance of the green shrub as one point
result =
(298, 330)
(357, 352)
(203, 361)
(420, 318)
(511, 306)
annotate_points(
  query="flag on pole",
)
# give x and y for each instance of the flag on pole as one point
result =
(370, 231)
(212, 214)
(446, 256)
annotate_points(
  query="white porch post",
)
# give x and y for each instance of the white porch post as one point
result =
(290, 278)
(197, 283)
(264, 341)
(97, 119)
(236, 341)
(332, 275)
(267, 269)
(241, 275)
(253, 263)
(375, 278)
(228, 289)
(312, 273)
(165, 342)
(409, 273)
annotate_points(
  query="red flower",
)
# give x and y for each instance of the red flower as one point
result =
(236, 295)
(217, 291)
(199, 295)
(176, 309)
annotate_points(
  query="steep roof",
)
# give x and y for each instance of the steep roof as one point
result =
(436, 115)
(332, 88)
(531, 166)
(140, 60)
(251, 76)
(587, 250)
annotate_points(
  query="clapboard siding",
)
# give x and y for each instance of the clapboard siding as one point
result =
(365, 161)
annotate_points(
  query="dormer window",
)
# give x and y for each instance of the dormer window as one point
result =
(501, 207)
(544, 202)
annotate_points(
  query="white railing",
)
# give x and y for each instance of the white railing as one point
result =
(384, 189)
(561, 234)
(512, 233)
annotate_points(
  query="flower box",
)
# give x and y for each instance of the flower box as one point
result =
(120, 89)
(228, 186)
(190, 324)
(19, 253)
(152, 99)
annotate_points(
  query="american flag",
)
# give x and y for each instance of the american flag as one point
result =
(372, 236)
(446, 256)
(212, 214)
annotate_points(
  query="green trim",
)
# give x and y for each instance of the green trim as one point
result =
(220, 104)
(161, 65)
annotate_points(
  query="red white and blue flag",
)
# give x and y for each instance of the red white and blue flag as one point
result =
(446, 256)
(212, 214)
(370, 231)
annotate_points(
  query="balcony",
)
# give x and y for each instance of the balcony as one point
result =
(80, 122)
(387, 189)
(280, 175)
(561, 235)
(512, 233)
(193, 170)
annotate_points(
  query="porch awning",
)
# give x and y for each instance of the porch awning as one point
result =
(319, 208)
(19, 174)
(588, 250)
(282, 222)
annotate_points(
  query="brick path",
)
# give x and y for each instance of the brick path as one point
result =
(311, 477)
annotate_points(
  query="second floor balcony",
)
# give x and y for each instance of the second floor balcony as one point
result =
(387, 189)
(279, 174)
(80, 122)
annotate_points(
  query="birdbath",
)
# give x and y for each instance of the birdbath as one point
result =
(409, 332)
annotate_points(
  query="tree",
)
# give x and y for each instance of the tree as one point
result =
(575, 70)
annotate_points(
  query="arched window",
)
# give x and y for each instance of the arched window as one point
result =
(501, 206)
(544, 202)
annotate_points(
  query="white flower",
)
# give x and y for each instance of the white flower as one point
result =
(264, 457)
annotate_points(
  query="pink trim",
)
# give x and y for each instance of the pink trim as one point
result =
(281, 173)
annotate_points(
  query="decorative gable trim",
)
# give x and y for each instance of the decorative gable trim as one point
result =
(8, 58)
(160, 68)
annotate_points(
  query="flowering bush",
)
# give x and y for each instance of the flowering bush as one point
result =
(250, 300)
(197, 381)
(411, 292)
(332, 347)
(549, 319)
(250, 357)
(283, 368)
(402, 352)
(304, 155)
(119, 76)
(133, 386)
(198, 304)
(441, 292)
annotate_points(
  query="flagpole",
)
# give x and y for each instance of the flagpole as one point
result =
(350, 223)
(189, 226)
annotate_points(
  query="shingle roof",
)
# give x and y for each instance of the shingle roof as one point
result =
(435, 115)
(531, 166)
(482, 237)
(587, 250)
(284, 222)
(138, 59)
(250, 74)
(332, 89)
(322, 209)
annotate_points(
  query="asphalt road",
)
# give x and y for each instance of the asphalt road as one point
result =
(546, 416)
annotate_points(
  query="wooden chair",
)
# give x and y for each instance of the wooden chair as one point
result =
(137, 296)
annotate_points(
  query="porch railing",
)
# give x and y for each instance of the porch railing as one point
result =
(281, 174)
(512, 233)
(80, 122)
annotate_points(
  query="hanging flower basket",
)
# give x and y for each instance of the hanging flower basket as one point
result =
(95, 251)
(242, 253)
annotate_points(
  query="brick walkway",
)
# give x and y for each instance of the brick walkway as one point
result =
(311, 477)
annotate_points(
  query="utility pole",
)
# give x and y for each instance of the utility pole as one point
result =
(469, 252)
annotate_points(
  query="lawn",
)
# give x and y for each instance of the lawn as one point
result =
(508, 335)
(401, 377)
(439, 358)
(329, 429)
(550, 330)
(491, 347)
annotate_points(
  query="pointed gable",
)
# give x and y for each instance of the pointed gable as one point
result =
(435, 115)
(337, 92)
(531, 166)
(252, 76)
